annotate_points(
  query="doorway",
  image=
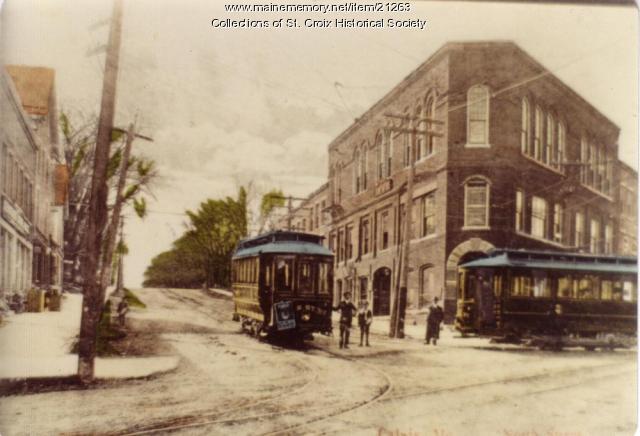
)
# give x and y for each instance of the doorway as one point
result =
(382, 291)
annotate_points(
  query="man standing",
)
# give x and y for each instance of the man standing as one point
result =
(434, 319)
(365, 317)
(346, 309)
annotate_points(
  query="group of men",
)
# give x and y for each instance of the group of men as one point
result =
(346, 308)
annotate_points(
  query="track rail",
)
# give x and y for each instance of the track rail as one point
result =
(217, 417)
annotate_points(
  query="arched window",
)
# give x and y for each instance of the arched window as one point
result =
(363, 168)
(478, 116)
(420, 150)
(550, 144)
(525, 134)
(337, 180)
(476, 203)
(379, 157)
(430, 110)
(388, 154)
(356, 171)
(537, 133)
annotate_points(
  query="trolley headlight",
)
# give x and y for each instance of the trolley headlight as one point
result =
(306, 316)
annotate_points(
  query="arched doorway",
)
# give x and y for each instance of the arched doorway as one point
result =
(382, 291)
(467, 251)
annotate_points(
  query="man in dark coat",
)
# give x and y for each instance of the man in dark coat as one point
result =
(347, 310)
(434, 319)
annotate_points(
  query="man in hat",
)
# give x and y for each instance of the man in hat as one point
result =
(346, 309)
(434, 319)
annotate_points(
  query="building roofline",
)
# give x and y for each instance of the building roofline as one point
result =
(448, 47)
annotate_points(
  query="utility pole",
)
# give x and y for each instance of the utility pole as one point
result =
(93, 299)
(398, 310)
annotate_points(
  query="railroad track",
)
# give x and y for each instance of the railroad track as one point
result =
(508, 380)
(217, 417)
(230, 416)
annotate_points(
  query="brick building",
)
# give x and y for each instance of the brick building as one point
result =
(506, 155)
(627, 242)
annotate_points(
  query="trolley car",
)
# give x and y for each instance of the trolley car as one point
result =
(516, 294)
(282, 284)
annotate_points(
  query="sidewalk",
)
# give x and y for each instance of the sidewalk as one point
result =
(415, 330)
(36, 345)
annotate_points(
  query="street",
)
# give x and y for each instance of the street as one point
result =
(230, 383)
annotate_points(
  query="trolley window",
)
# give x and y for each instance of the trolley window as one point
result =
(284, 273)
(324, 277)
(305, 277)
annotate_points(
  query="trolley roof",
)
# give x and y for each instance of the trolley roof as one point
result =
(282, 242)
(556, 261)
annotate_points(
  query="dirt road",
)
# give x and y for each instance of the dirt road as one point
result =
(229, 383)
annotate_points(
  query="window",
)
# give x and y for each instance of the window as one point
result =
(584, 159)
(521, 285)
(284, 269)
(363, 168)
(430, 115)
(324, 277)
(364, 236)
(421, 143)
(537, 134)
(541, 284)
(407, 149)
(428, 214)
(608, 238)
(348, 242)
(579, 234)
(558, 222)
(337, 180)
(538, 217)
(388, 153)
(476, 203)
(379, 157)
(357, 171)
(594, 240)
(550, 144)
(384, 230)
(323, 206)
(340, 245)
(305, 277)
(525, 132)
(562, 144)
(519, 210)
(478, 115)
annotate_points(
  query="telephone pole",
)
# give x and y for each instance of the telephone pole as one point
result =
(93, 299)
(399, 306)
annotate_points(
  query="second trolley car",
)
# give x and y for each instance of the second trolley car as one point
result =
(522, 293)
(282, 284)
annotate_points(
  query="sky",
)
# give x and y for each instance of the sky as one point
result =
(229, 107)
